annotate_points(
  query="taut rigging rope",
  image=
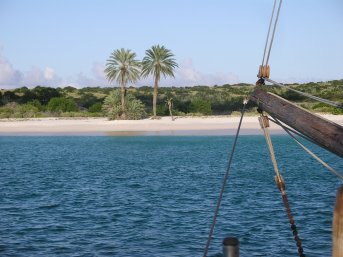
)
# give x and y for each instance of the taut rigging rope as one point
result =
(280, 183)
(270, 25)
(272, 39)
(332, 103)
(294, 131)
(264, 69)
(245, 101)
(307, 150)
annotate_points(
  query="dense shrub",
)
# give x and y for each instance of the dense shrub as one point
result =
(38, 105)
(44, 94)
(162, 110)
(87, 100)
(69, 89)
(15, 110)
(28, 111)
(292, 96)
(181, 105)
(322, 107)
(97, 107)
(7, 111)
(201, 106)
(112, 107)
(28, 96)
(9, 96)
(62, 104)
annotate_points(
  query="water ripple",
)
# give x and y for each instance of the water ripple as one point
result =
(155, 196)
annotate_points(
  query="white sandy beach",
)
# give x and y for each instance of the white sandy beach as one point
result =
(216, 125)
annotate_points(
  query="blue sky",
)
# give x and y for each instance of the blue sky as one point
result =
(63, 42)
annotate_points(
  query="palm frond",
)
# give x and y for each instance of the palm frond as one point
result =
(122, 67)
(158, 60)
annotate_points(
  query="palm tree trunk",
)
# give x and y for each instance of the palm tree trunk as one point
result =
(154, 100)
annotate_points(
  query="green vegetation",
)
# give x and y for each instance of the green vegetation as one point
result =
(198, 100)
(122, 67)
(113, 107)
(158, 60)
(62, 104)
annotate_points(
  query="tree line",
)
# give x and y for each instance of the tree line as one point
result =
(197, 100)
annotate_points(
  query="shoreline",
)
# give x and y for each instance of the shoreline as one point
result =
(181, 126)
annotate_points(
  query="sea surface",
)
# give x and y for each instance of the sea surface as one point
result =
(155, 196)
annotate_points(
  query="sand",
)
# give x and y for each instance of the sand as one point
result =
(213, 125)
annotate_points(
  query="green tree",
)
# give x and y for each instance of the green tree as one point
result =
(62, 104)
(29, 96)
(44, 94)
(9, 96)
(37, 104)
(158, 60)
(124, 68)
(21, 90)
(201, 106)
(112, 106)
(70, 89)
(87, 100)
(95, 107)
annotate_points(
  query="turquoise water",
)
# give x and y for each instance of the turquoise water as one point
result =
(155, 196)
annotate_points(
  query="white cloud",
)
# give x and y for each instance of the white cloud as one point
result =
(49, 73)
(188, 75)
(12, 78)
(9, 76)
(98, 71)
(97, 78)
(37, 76)
(185, 75)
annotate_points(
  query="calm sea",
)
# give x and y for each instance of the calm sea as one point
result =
(155, 196)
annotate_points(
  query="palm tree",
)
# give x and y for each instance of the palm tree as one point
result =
(158, 60)
(122, 67)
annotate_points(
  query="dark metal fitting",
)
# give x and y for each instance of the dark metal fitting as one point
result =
(260, 82)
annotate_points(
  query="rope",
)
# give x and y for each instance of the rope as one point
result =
(276, 20)
(224, 181)
(293, 131)
(270, 39)
(280, 183)
(310, 152)
(331, 103)
(270, 25)
(270, 146)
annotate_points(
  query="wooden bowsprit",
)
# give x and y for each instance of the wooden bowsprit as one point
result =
(325, 133)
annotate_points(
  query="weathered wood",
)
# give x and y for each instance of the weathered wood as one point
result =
(337, 226)
(326, 133)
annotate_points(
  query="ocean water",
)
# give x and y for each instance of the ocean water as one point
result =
(155, 196)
